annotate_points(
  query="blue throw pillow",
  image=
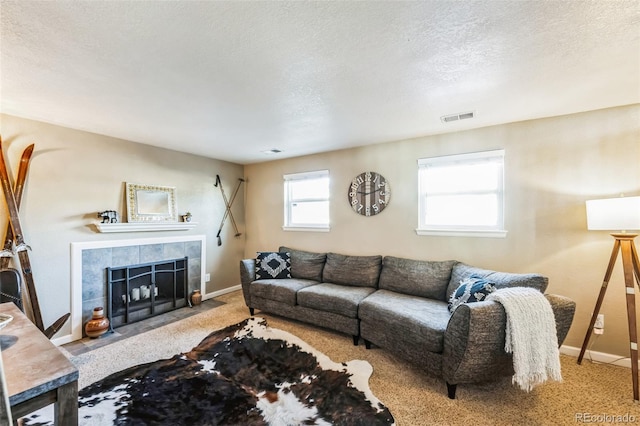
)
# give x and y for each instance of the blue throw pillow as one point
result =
(273, 265)
(472, 289)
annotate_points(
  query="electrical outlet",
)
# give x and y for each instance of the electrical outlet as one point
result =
(599, 322)
(207, 278)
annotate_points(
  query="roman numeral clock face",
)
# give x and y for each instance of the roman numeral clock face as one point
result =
(369, 193)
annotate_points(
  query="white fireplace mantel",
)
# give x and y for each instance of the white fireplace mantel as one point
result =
(145, 226)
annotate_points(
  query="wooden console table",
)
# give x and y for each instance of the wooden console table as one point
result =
(36, 372)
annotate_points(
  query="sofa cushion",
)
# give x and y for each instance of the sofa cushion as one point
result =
(422, 321)
(339, 299)
(461, 271)
(422, 278)
(272, 265)
(472, 289)
(358, 271)
(305, 264)
(281, 290)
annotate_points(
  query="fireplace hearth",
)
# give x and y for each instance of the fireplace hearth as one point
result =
(137, 292)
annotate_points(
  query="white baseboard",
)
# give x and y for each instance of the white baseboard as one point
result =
(598, 357)
(221, 292)
(59, 341)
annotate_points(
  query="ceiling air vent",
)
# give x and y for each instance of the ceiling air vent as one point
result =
(456, 117)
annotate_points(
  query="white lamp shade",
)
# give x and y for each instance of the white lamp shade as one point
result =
(614, 214)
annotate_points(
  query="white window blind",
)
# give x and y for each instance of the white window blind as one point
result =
(306, 201)
(462, 194)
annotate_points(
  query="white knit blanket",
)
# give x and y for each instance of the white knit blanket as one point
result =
(530, 335)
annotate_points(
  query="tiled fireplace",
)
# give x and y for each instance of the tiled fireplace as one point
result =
(89, 261)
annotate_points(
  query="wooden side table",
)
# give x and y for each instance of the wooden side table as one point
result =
(36, 372)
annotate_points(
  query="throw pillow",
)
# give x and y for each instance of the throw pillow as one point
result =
(273, 265)
(472, 289)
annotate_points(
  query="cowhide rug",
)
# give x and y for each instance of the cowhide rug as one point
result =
(245, 374)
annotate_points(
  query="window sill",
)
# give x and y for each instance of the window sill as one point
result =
(306, 228)
(463, 233)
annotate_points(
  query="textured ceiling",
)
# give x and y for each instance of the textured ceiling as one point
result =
(228, 80)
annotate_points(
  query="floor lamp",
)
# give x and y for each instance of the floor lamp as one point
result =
(616, 214)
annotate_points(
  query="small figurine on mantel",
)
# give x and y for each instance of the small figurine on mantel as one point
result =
(108, 216)
(186, 217)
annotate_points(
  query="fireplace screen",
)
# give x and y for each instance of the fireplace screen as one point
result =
(136, 292)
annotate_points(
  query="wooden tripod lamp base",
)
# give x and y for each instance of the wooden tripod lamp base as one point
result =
(606, 215)
(623, 243)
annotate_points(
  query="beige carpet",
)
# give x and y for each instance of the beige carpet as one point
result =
(413, 397)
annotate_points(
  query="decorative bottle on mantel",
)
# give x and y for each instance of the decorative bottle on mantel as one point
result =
(196, 297)
(98, 324)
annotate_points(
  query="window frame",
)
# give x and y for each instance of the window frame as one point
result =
(296, 177)
(497, 231)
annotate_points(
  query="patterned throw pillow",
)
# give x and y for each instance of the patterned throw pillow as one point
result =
(472, 289)
(273, 265)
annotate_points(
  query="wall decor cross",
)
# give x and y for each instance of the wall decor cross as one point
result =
(228, 203)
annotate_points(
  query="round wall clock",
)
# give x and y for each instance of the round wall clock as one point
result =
(369, 193)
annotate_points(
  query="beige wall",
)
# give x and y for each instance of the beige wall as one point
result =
(552, 166)
(75, 174)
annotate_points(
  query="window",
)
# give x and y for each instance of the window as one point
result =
(306, 201)
(462, 195)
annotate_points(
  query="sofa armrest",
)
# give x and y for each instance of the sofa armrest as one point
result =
(563, 310)
(474, 343)
(475, 336)
(247, 276)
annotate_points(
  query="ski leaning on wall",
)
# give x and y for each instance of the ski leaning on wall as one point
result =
(7, 253)
(17, 238)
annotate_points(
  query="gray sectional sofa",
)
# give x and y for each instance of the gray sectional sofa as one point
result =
(401, 305)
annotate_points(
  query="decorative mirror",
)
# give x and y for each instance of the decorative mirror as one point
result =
(151, 203)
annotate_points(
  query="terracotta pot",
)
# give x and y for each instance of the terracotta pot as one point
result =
(97, 325)
(196, 297)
